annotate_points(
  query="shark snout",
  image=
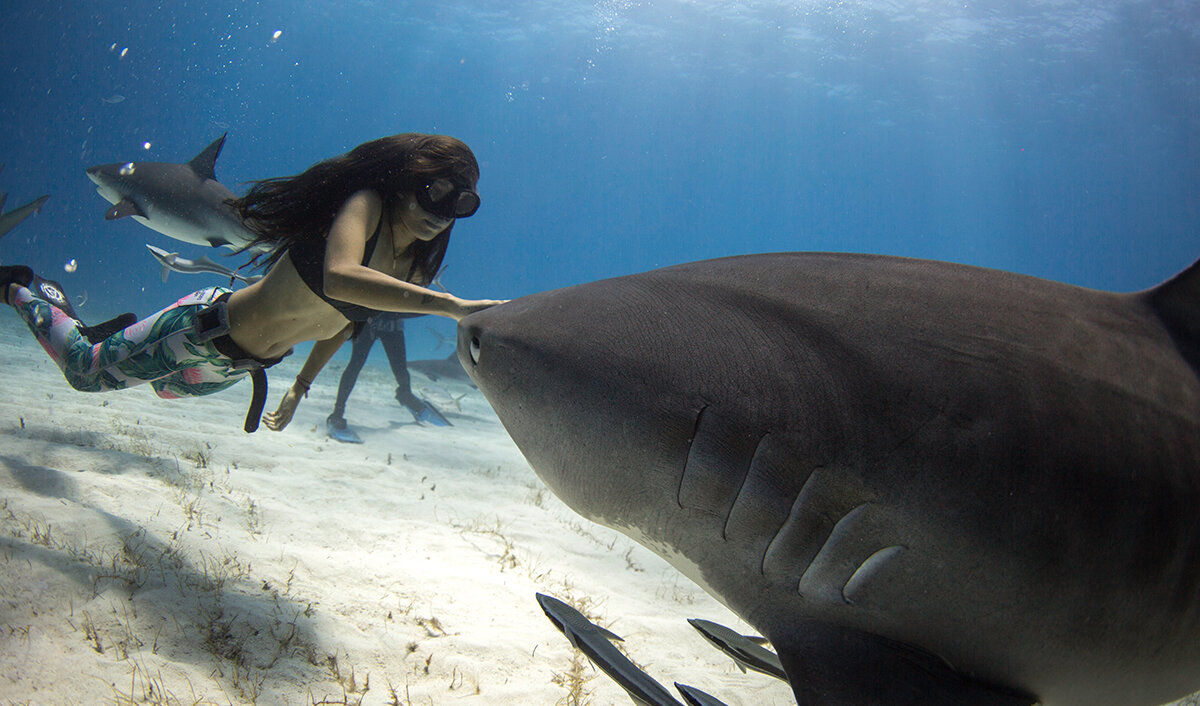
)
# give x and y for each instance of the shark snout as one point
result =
(492, 346)
(470, 345)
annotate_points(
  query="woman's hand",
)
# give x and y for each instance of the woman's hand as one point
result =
(466, 307)
(277, 420)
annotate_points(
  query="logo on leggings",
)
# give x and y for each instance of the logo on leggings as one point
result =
(54, 294)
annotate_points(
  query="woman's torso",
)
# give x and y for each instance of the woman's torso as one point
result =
(275, 313)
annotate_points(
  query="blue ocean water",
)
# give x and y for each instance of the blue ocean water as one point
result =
(1058, 138)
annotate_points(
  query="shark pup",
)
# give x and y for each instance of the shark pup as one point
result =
(181, 201)
(924, 483)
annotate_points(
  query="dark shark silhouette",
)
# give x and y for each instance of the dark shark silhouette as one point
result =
(13, 218)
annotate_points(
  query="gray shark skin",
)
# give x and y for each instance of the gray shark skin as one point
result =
(172, 262)
(13, 218)
(924, 483)
(181, 201)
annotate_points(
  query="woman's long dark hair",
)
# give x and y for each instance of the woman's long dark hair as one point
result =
(286, 210)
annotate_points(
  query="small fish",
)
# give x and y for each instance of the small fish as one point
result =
(113, 99)
(744, 651)
(441, 397)
(593, 641)
(695, 697)
(172, 262)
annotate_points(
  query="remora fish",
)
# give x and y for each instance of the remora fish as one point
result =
(181, 201)
(924, 483)
(593, 641)
(171, 261)
(695, 697)
(741, 649)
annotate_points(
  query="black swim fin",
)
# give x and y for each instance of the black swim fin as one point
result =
(101, 331)
(13, 274)
(52, 293)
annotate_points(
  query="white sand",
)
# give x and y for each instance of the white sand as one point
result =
(150, 551)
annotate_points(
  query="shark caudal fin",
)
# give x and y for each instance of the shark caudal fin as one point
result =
(205, 163)
(1177, 303)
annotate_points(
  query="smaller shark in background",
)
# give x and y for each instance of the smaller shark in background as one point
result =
(181, 201)
(171, 261)
(13, 218)
(437, 368)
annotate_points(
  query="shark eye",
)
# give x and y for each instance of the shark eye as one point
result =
(475, 350)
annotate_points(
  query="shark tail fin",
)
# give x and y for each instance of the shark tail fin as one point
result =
(205, 163)
(1177, 303)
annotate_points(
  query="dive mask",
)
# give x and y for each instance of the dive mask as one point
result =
(446, 200)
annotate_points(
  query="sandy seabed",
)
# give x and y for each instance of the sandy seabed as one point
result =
(153, 553)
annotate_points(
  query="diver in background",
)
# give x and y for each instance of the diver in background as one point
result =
(388, 329)
(348, 237)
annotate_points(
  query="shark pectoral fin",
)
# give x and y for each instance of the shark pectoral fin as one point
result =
(831, 665)
(121, 209)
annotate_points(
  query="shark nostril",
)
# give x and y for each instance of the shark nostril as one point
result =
(475, 350)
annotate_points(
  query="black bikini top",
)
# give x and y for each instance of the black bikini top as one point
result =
(308, 257)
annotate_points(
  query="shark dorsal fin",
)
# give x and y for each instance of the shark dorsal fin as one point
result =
(205, 163)
(1177, 303)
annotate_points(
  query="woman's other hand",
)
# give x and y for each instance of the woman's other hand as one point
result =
(277, 420)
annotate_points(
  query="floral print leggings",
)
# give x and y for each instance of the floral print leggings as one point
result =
(164, 350)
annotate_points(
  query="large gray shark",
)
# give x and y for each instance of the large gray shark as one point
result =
(181, 201)
(924, 483)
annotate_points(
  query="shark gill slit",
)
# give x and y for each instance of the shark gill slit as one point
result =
(815, 577)
(798, 507)
(742, 486)
(687, 460)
